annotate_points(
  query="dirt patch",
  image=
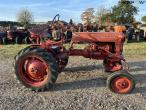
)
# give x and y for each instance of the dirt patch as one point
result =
(82, 86)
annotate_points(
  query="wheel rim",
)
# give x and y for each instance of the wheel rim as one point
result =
(33, 71)
(121, 85)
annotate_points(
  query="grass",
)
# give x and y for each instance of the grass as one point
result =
(135, 49)
(131, 50)
(7, 51)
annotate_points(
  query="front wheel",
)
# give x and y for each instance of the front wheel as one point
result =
(121, 83)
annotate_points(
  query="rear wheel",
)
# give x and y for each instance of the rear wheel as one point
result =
(36, 68)
(121, 83)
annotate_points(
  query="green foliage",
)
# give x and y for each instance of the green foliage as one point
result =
(121, 13)
(143, 19)
(124, 12)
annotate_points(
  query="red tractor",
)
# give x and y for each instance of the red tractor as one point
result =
(37, 66)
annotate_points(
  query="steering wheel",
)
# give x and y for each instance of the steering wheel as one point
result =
(55, 19)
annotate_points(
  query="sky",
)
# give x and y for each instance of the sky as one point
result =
(45, 10)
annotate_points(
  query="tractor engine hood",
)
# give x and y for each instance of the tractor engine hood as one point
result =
(98, 37)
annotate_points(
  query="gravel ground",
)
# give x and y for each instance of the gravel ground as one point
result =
(82, 86)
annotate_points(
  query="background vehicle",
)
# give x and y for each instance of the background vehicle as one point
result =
(16, 36)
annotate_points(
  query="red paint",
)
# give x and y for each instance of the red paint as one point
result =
(33, 70)
(121, 85)
(107, 45)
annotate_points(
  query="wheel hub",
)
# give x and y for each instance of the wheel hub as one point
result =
(121, 85)
(36, 69)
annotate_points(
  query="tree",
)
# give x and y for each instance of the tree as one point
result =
(88, 15)
(25, 17)
(143, 19)
(103, 15)
(124, 12)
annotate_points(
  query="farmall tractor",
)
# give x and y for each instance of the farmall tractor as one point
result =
(37, 66)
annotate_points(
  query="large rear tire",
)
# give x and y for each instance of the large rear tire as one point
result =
(121, 83)
(35, 68)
